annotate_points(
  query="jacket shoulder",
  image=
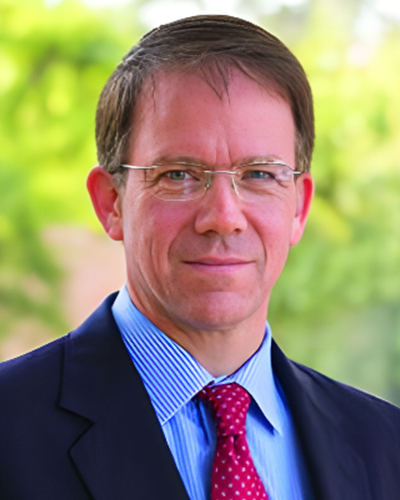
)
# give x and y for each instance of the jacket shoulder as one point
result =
(336, 409)
(353, 400)
(20, 375)
(350, 439)
(43, 366)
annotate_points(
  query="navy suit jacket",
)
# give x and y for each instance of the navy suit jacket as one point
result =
(76, 423)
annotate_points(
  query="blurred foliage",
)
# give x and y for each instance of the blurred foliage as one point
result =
(339, 296)
(337, 305)
(54, 62)
(28, 273)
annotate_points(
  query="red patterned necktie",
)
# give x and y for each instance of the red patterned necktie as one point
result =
(234, 476)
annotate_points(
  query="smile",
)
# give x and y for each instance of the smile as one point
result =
(211, 265)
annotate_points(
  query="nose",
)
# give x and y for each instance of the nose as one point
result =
(220, 209)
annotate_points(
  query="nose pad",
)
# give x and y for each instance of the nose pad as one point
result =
(221, 212)
(209, 181)
(226, 172)
(235, 187)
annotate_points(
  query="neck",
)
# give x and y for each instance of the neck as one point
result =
(221, 347)
(221, 353)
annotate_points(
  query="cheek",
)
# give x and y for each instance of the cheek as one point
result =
(274, 223)
(151, 229)
(274, 228)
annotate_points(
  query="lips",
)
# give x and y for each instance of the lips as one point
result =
(218, 261)
(226, 264)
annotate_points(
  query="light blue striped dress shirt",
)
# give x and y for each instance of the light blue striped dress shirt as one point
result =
(173, 377)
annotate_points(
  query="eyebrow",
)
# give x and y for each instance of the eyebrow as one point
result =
(193, 160)
(178, 159)
(261, 159)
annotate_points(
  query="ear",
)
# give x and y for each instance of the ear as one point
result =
(304, 194)
(106, 201)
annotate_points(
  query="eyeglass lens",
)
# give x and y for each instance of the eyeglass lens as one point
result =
(187, 182)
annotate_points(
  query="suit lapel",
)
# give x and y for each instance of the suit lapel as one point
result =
(336, 471)
(123, 454)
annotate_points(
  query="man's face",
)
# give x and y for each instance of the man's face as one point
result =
(209, 263)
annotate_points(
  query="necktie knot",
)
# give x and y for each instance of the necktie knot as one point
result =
(230, 403)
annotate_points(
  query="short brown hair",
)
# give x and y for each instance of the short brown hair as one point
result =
(211, 45)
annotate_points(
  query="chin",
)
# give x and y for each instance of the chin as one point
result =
(218, 313)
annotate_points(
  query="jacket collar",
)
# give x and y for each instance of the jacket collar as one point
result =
(123, 440)
(323, 423)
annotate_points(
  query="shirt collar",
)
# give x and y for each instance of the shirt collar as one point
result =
(172, 376)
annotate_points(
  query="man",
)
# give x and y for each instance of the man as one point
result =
(205, 135)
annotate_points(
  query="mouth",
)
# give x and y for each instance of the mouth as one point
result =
(218, 265)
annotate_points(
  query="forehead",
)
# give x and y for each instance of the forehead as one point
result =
(180, 113)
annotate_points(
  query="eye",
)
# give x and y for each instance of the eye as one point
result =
(176, 175)
(259, 174)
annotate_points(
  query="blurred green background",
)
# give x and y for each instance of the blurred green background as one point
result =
(337, 305)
